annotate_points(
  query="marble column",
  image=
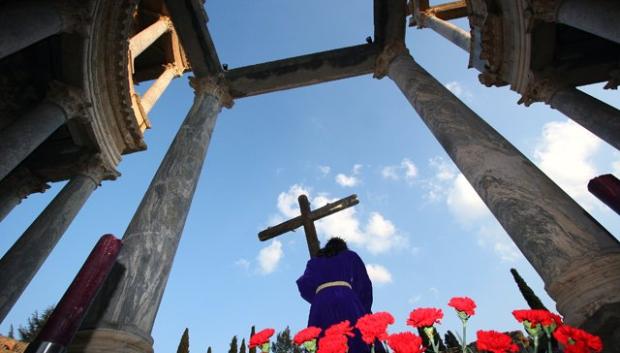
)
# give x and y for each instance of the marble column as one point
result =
(23, 23)
(151, 96)
(17, 186)
(122, 316)
(26, 133)
(22, 261)
(453, 33)
(598, 117)
(599, 17)
(144, 39)
(576, 257)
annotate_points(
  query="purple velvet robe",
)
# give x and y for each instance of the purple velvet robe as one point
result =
(332, 305)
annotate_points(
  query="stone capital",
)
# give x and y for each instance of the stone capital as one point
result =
(95, 168)
(76, 16)
(176, 69)
(389, 53)
(168, 22)
(22, 182)
(540, 88)
(71, 99)
(213, 85)
(543, 10)
(587, 285)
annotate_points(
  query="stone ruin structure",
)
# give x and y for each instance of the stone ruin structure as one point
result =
(69, 111)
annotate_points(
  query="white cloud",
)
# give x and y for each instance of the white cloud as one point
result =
(465, 203)
(357, 168)
(324, 169)
(287, 201)
(459, 90)
(269, 257)
(616, 167)
(243, 263)
(377, 234)
(346, 181)
(406, 170)
(564, 152)
(378, 274)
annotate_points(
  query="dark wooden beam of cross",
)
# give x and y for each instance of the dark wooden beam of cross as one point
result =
(307, 219)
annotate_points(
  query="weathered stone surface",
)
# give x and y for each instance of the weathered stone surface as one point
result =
(598, 17)
(451, 32)
(130, 298)
(22, 261)
(16, 186)
(555, 234)
(107, 341)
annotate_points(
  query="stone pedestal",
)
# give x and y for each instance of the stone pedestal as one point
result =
(576, 257)
(22, 261)
(129, 301)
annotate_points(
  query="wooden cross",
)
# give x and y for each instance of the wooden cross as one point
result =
(307, 219)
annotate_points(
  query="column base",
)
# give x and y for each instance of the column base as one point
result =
(587, 287)
(107, 341)
(606, 324)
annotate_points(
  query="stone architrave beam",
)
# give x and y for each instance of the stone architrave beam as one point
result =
(190, 22)
(302, 70)
(450, 11)
(22, 261)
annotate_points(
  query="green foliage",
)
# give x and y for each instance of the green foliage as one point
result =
(284, 343)
(11, 333)
(528, 294)
(34, 325)
(252, 332)
(426, 342)
(184, 342)
(209, 349)
(233, 345)
(242, 347)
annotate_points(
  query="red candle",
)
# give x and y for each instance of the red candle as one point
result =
(70, 311)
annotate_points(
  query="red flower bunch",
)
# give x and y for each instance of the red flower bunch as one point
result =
(463, 304)
(333, 344)
(575, 340)
(424, 317)
(537, 316)
(495, 342)
(405, 342)
(374, 326)
(340, 329)
(307, 334)
(261, 337)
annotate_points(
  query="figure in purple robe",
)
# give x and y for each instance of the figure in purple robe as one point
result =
(338, 288)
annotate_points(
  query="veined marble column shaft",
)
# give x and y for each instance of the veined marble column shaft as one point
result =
(599, 17)
(453, 33)
(577, 258)
(122, 317)
(23, 23)
(22, 261)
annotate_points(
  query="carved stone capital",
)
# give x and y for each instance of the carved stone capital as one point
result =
(389, 53)
(75, 15)
(540, 88)
(168, 22)
(215, 86)
(587, 285)
(543, 10)
(22, 182)
(71, 99)
(175, 68)
(95, 168)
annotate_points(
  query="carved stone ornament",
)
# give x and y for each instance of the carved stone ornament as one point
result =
(23, 182)
(540, 88)
(75, 15)
(389, 53)
(544, 10)
(95, 168)
(71, 99)
(215, 86)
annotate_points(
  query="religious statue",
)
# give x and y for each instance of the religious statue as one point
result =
(338, 288)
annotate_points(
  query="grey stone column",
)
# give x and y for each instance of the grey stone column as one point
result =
(122, 316)
(598, 17)
(22, 261)
(23, 23)
(453, 33)
(25, 134)
(577, 258)
(17, 186)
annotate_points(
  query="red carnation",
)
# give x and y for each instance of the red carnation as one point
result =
(261, 337)
(424, 317)
(575, 340)
(340, 329)
(405, 342)
(374, 326)
(495, 342)
(463, 304)
(307, 334)
(537, 316)
(335, 343)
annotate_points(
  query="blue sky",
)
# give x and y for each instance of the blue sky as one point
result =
(421, 229)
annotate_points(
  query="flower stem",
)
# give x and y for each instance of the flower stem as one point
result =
(372, 348)
(464, 337)
(536, 344)
(549, 348)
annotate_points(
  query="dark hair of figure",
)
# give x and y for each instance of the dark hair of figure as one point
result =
(333, 247)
